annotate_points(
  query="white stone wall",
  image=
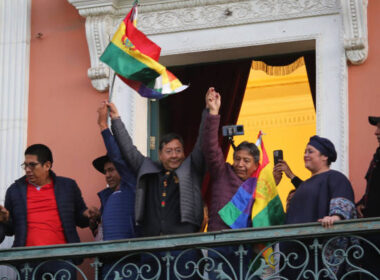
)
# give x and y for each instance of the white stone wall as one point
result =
(133, 111)
(14, 82)
(215, 30)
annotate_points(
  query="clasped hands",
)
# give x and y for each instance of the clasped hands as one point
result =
(103, 110)
(4, 214)
(93, 214)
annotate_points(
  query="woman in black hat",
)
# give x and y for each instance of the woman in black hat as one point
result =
(327, 196)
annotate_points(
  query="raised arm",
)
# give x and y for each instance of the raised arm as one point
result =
(130, 154)
(282, 166)
(210, 143)
(197, 156)
(113, 150)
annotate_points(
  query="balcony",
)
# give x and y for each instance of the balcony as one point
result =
(149, 258)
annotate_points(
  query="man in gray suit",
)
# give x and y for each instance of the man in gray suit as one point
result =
(168, 192)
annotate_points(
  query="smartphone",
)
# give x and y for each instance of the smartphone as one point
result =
(277, 155)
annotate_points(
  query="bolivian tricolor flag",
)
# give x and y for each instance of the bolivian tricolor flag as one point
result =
(135, 60)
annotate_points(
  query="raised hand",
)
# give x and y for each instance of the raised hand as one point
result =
(102, 115)
(213, 101)
(277, 175)
(114, 113)
(282, 166)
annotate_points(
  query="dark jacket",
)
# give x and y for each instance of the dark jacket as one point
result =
(190, 175)
(2, 233)
(370, 200)
(121, 217)
(69, 202)
(224, 182)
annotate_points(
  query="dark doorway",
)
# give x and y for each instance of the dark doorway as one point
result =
(181, 113)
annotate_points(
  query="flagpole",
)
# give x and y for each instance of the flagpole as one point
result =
(110, 93)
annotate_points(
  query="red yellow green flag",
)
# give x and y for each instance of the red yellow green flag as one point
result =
(131, 54)
(135, 60)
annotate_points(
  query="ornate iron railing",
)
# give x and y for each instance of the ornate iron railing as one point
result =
(308, 251)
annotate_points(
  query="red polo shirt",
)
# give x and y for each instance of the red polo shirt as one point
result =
(44, 223)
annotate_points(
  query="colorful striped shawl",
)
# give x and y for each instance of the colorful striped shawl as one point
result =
(256, 203)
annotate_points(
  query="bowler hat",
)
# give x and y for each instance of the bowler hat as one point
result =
(373, 120)
(99, 163)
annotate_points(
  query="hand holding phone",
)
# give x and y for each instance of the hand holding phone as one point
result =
(277, 155)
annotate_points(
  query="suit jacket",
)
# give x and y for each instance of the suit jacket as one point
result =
(190, 175)
(69, 202)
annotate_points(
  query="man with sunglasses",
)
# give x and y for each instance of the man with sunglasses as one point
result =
(49, 210)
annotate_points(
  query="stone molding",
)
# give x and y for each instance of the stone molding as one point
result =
(163, 17)
(355, 30)
(280, 120)
(98, 32)
(231, 13)
(338, 28)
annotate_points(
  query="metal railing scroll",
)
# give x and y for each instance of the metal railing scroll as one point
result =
(303, 251)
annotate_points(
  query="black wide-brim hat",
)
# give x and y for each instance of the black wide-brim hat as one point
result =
(99, 163)
(373, 120)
